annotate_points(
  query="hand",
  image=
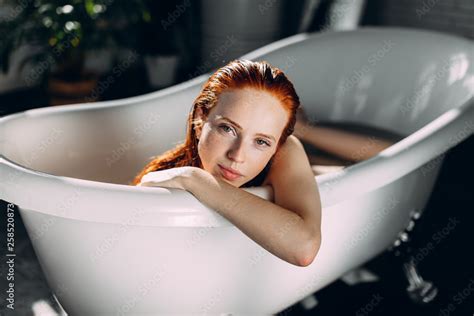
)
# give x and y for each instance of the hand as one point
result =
(177, 178)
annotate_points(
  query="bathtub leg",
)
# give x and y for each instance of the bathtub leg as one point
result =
(419, 290)
(359, 275)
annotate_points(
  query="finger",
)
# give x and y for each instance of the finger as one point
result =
(148, 184)
(161, 184)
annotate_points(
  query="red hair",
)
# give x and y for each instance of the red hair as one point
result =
(237, 74)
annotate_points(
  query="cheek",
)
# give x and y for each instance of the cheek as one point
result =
(258, 164)
(209, 147)
(261, 166)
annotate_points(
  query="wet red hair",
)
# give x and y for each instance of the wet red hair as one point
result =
(237, 74)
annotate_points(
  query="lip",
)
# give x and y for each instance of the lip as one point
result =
(229, 174)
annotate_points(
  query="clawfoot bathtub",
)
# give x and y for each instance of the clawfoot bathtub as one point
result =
(109, 248)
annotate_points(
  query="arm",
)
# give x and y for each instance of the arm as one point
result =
(288, 228)
(344, 144)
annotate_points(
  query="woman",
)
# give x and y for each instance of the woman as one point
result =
(239, 135)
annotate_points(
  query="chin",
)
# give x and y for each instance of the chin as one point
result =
(232, 183)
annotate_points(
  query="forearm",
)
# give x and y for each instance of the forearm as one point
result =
(280, 231)
(347, 145)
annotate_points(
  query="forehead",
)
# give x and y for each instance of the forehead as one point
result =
(252, 109)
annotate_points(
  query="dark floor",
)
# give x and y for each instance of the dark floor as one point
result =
(31, 289)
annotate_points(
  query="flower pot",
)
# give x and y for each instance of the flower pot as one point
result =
(161, 70)
(64, 92)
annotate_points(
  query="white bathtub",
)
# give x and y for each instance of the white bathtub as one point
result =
(109, 248)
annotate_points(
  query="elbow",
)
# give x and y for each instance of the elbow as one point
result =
(309, 252)
(307, 258)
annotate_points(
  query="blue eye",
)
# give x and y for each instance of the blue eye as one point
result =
(265, 142)
(225, 128)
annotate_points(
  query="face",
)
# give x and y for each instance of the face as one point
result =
(241, 132)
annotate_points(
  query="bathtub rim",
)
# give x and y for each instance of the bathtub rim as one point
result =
(344, 179)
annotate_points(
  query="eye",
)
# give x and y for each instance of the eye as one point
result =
(225, 128)
(264, 142)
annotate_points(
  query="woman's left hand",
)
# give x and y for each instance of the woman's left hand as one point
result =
(177, 178)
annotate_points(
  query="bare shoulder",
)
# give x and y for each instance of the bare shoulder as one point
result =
(294, 184)
(293, 143)
(290, 153)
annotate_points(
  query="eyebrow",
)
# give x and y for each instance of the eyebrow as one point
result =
(240, 127)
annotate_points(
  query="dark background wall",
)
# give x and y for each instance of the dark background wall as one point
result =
(451, 16)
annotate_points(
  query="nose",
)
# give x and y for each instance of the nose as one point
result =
(237, 152)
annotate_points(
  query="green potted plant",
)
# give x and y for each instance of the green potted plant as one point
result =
(65, 32)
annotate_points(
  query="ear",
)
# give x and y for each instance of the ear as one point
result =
(199, 118)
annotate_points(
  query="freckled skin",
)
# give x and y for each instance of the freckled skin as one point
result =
(256, 112)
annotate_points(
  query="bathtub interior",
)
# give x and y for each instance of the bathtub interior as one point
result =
(391, 79)
(394, 79)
